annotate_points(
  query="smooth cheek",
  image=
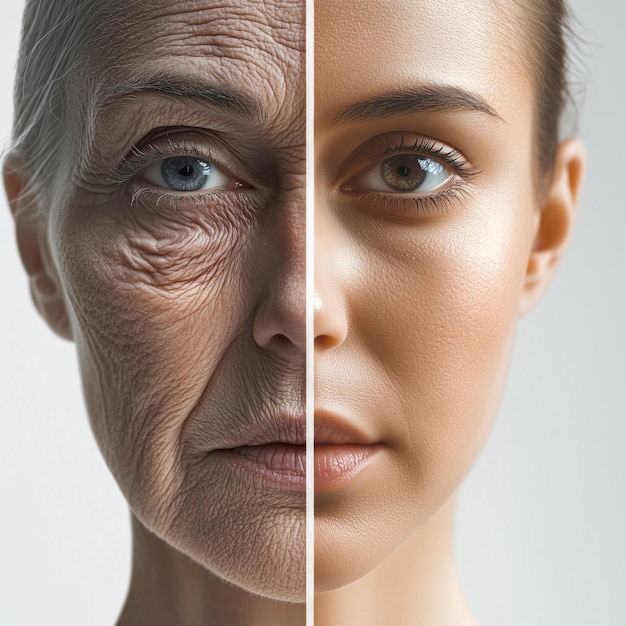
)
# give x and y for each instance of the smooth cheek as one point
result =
(432, 313)
(454, 291)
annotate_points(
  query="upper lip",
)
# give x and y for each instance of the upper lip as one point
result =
(334, 429)
(281, 426)
(289, 427)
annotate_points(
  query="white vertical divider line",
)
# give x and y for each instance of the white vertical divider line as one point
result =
(310, 294)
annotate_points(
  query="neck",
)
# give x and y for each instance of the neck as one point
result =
(415, 585)
(167, 588)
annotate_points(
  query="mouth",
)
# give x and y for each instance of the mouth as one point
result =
(272, 450)
(342, 452)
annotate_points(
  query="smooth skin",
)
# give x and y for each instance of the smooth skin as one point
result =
(418, 292)
(187, 307)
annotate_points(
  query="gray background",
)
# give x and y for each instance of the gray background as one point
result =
(542, 516)
(541, 531)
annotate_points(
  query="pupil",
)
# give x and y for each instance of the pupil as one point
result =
(403, 171)
(186, 170)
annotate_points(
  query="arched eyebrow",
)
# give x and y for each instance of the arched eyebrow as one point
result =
(414, 100)
(178, 88)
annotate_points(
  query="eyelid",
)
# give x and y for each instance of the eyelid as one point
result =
(406, 205)
(155, 148)
(376, 150)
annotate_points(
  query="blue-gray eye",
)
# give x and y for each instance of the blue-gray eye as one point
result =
(185, 173)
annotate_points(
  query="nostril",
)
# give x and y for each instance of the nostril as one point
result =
(326, 342)
(281, 341)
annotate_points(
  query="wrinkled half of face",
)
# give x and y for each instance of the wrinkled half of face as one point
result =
(163, 144)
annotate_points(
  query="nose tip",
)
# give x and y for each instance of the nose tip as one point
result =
(280, 323)
(330, 321)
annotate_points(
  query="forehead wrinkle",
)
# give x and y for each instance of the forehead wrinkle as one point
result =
(239, 42)
(252, 48)
(279, 26)
(267, 26)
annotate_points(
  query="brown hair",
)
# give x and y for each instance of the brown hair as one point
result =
(549, 34)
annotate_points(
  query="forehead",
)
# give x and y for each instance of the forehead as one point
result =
(386, 47)
(251, 50)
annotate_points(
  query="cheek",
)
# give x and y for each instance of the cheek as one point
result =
(431, 310)
(155, 303)
(439, 322)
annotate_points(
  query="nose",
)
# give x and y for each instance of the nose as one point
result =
(330, 308)
(280, 319)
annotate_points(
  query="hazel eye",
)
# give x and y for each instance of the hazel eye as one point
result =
(184, 173)
(402, 173)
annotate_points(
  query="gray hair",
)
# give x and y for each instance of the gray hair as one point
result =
(56, 35)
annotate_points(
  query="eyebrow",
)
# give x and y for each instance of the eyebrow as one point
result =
(419, 99)
(217, 96)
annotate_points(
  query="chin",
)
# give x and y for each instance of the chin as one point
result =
(262, 551)
(345, 554)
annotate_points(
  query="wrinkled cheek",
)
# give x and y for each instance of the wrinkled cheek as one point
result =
(152, 317)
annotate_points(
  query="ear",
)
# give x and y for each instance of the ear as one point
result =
(30, 231)
(555, 221)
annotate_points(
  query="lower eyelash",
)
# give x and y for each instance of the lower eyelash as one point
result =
(397, 204)
(157, 197)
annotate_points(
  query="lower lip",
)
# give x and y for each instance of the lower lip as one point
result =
(336, 466)
(279, 463)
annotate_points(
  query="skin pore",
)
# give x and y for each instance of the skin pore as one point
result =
(186, 304)
(432, 236)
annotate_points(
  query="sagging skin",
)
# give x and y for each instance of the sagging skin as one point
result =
(187, 307)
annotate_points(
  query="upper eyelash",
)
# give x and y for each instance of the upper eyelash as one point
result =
(431, 148)
(427, 202)
(143, 156)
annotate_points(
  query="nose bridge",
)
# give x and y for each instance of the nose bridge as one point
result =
(330, 306)
(280, 319)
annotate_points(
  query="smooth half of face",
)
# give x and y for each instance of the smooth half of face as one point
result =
(428, 222)
(175, 236)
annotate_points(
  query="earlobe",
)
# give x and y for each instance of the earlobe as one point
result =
(555, 221)
(45, 285)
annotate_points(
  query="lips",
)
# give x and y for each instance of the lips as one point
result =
(342, 452)
(272, 449)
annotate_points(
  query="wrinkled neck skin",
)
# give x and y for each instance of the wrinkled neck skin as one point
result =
(168, 588)
(416, 586)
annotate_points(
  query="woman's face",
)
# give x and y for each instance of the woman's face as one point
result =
(426, 215)
(179, 244)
